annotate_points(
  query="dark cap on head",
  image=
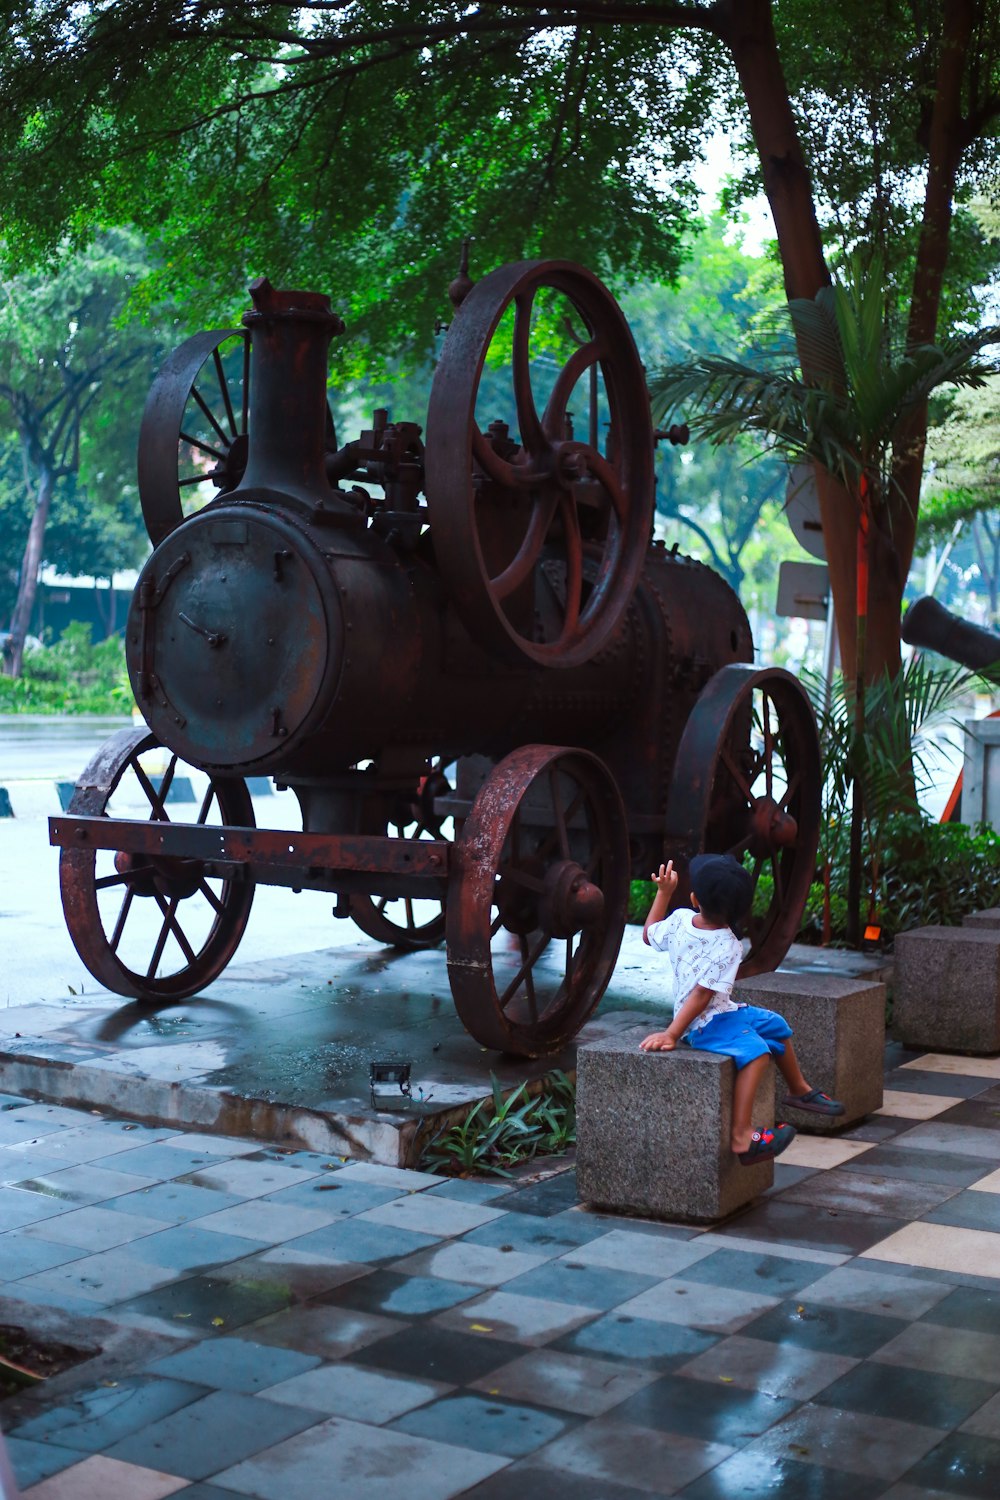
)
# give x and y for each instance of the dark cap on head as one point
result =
(723, 887)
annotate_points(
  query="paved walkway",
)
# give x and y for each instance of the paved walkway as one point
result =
(281, 1324)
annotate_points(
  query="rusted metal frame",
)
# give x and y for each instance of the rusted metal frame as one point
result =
(424, 862)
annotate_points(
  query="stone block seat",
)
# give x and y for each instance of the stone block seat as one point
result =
(946, 988)
(653, 1131)
(838, 1029)
(988, 917)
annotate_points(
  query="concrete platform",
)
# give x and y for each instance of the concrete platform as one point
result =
(280, 1048)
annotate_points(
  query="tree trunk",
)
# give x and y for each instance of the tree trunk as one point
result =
(748, 31)
(27, 588)
(944, 155)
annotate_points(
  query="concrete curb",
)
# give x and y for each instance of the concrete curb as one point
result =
(44, 798)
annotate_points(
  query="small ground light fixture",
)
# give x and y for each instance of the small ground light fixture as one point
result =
(389, 1073)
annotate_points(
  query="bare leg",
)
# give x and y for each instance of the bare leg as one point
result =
(788, 1066)
(747, 1080)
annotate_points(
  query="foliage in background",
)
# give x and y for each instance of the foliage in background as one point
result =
(891, 755)
(500, 1133)
(73, 676)
(717, 499)
(72, 385)
(931, 874)
(845, 400)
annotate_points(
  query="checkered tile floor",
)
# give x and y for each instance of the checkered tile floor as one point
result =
(290, 1326)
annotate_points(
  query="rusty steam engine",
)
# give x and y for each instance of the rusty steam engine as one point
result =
(495, 698)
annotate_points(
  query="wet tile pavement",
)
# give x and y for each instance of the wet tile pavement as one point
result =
(280, 1323)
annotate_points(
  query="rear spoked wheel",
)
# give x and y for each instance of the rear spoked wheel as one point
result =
(402, 921)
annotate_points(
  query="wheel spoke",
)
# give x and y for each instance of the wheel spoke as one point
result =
(116, 936)
(532, 437)
(107, 881)
(795, 781)
(569, 963)
(408, 904)
(726, 757)
(161, 941)
(516, 571)
(210, 416)
(496, 924)
(779, 884)
(224, 388)
(528, 963)
(206, 802)
(158, 813)
(574, 569)
(214, 901)
(529, 983)
(740, 847)
(167, 780)
(557, 809)
(610, 480)
(183, 484)
(172, 922)
(547, 844)
(203, 447)
(554, 416)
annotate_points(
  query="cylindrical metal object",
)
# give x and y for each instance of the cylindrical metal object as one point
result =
(927, 623)
(290, 335)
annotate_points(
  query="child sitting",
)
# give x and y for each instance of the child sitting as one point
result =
(706, 952)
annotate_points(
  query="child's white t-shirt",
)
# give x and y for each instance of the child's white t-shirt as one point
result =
(699, 955)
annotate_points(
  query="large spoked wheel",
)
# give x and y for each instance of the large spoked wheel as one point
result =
(541, 535)
(747, 781)
(400, 921)
(155, 929)
(537, 900)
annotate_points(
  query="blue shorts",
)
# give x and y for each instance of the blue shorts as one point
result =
(742, 1034)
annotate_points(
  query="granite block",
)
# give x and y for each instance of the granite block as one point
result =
(838, 1028)
(988, 917)
(946, 990)
(653, 1131)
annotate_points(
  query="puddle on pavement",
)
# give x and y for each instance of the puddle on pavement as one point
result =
(49, 1190)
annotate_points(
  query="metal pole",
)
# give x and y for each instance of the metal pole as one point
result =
(829, 650)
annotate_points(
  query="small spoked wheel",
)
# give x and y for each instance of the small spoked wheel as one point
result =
(747, 782)
(193, 438)
(193, 435)
(402, 921)
(153, 928)
(537, 899)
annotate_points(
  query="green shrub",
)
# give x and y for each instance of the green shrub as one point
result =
(499, 1133)
(73, 676)
(931, 874)
(640, 899)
